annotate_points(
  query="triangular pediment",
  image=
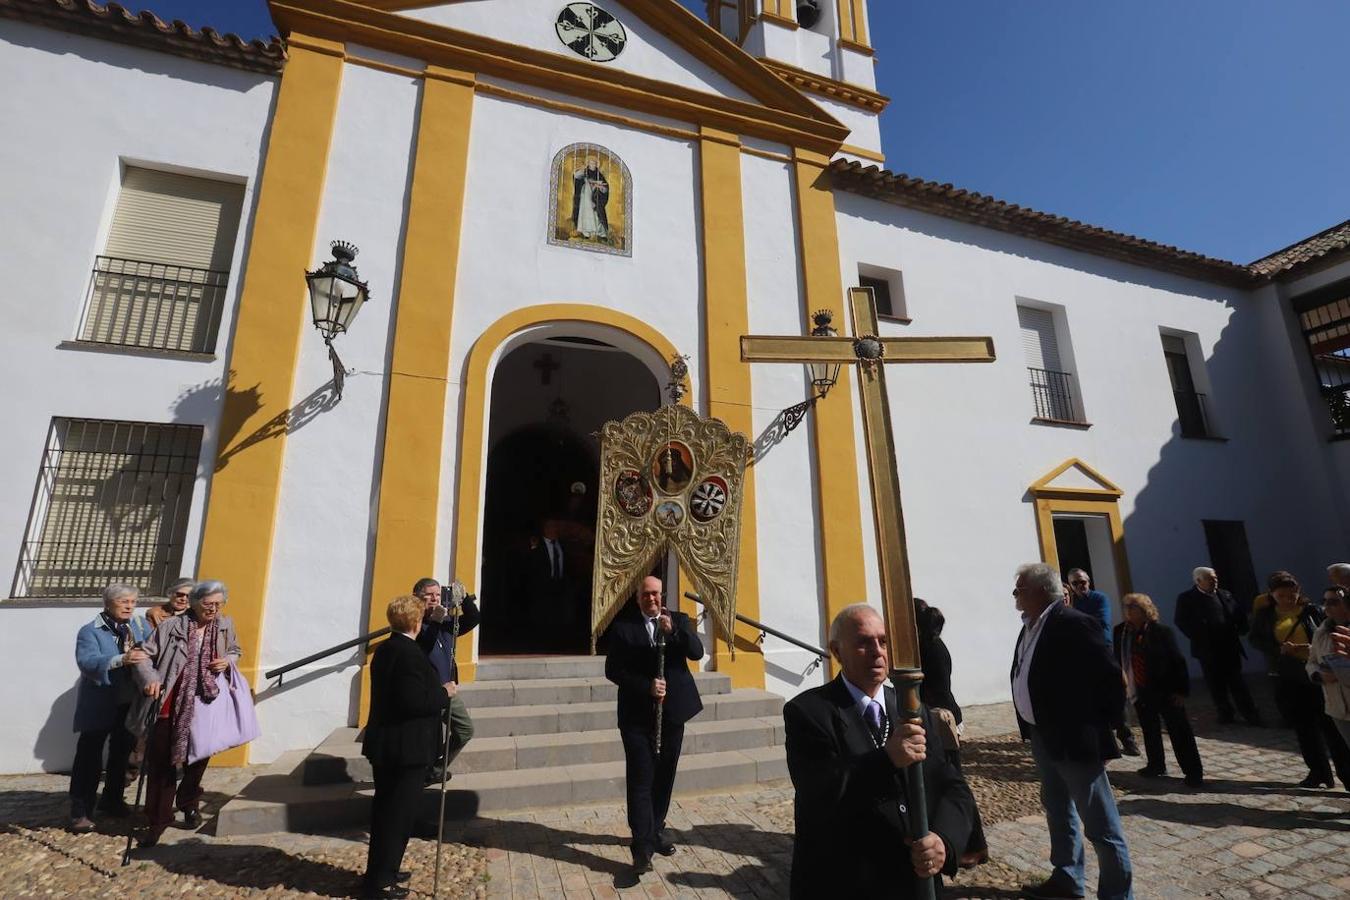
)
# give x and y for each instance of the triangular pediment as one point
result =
(1075, 477)
(672, 63)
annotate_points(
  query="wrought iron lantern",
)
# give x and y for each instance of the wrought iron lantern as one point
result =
(336, 295)
(824, 374)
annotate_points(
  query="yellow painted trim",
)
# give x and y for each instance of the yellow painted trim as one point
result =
(853, 150)
(410, 469)
(777, 19)
(379, 66)
(838, 491)
(823, 85)
(727, 382)
(1044, 484)
(857, 47)
(852, 23)
(1046, 507)
(779, 112)
(766, 154)
(241, 509)
(473, 432)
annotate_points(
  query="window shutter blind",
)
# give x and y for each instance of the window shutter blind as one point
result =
(1038, 338)
(176, 219)
(1174, 344)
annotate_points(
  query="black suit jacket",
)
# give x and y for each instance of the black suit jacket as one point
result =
(1214, 623)
(1077, 695)
(435, 639)
(851, 807)
(630, 662)
(1164, 667)
(404, 728)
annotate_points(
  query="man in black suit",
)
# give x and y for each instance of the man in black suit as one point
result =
(630, 662)
(847, 752)
(1069, 695)
(406, 702)
(1215, 623)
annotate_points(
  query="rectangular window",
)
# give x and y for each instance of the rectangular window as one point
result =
(888, 287)
(1324, 318)
(1231, 557)
(160, 282)
(1192, 404)
(111, 505)
(1052, 387)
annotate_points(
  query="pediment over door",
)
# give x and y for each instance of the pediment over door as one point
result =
(1075, 478)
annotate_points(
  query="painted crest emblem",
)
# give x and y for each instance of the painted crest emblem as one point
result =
(708, 499)
(632, 493)
(669, 514)
(673, 467)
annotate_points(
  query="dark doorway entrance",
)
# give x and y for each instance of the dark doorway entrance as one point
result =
(1071, 542)
(549, 401)
(1231, 558)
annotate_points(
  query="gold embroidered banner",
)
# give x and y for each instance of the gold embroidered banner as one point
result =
(669, 479)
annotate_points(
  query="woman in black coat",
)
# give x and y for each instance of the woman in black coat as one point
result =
(1283, 630)
(1158, 680)
(402, 737)
(936, 693)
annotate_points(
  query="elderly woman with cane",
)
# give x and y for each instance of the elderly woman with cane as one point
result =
(407, 700)
(105, 651)
(186, 653)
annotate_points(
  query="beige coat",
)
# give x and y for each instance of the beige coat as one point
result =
(1337, 691)
(167, 652)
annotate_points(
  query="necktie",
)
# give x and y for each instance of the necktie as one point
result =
(873, 717)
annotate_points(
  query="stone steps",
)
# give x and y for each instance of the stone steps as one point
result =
(545, 734)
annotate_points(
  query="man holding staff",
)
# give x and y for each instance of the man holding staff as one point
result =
(631, 662)
(849, 749)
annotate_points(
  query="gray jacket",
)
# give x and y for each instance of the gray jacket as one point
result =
(167, 652)
(1337, 686)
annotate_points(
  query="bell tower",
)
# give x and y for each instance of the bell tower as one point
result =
(821, 47)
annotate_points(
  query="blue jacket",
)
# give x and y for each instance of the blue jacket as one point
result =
(103, 688)
(1097, 605)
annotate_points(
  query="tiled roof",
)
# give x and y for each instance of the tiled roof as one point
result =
(1283, 262)
(980, 209)
(114, 22)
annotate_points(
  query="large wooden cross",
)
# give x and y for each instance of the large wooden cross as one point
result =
(871, 354)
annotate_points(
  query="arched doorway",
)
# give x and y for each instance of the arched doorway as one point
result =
(550, 398)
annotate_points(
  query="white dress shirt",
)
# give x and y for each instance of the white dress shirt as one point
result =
(863, 700)
(1026, 651)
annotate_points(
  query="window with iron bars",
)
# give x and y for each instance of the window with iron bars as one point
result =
(111, 505)
(1325, 320)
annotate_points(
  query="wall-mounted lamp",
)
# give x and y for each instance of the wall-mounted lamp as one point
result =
(823, 373)
(336, 295)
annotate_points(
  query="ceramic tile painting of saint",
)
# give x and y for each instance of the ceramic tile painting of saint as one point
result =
(591, 200)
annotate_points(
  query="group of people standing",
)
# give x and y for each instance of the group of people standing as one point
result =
(141, 678)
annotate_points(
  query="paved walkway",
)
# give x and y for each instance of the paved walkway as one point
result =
(1248, 833)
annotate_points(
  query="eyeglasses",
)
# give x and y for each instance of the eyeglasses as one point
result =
(211, 607)
(182, 594)
(1079, 583)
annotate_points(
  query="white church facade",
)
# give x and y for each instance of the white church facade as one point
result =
(551, 200)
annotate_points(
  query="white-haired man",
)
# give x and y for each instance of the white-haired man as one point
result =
(1069, 695)
(847, 751)
(1215, 622)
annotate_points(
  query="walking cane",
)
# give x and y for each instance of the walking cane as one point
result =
(152, 720)
(660, 673)
(455, 589)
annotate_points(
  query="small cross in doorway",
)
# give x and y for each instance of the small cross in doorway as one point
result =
(546, 365)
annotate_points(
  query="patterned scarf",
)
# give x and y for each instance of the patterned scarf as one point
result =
(197, 678)
(121, 629)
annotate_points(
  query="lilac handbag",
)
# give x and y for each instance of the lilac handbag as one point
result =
(227, 721)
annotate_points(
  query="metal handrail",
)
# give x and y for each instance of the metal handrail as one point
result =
(364, 639)
(821, 653)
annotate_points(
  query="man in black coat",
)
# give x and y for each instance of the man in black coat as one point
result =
(847, 752)
(406, 702)
(1215, 623)
(631, 663)
(1069, 696)
(1157, 680)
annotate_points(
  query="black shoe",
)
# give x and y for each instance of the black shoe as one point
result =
(1129, 747)
(665, 845)
(1194, 781)
(434, 775)
(192, 818)
(117, 809)
(147, 839)
(1317, 781)
(1051, 889)
(387, 892)
(1152, 772)
(403, 876)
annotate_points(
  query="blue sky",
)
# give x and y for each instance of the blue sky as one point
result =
(1215, 125)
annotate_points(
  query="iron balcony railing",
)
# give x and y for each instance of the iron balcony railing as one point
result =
(153, 305)
(1193, 414)
(1053, 395)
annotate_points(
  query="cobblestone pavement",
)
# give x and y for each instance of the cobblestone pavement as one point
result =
(1248, 833)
